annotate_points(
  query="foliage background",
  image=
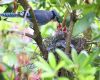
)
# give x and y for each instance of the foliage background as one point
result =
(13, 45)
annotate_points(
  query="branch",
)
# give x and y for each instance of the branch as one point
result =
(64, 20)
(21, 33)
(37, 33)
(69, 34)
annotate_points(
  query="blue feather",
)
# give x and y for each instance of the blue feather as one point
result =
(42, 16)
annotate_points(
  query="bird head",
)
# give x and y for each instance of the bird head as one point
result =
(56, 16)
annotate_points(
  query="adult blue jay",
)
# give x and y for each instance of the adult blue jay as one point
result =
(42, 16)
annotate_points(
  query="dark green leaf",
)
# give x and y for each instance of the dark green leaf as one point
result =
(84, 23)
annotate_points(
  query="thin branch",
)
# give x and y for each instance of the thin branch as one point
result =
(21, 33)
(64, 20)
(69, 34)
(93, 42)
(37, 33)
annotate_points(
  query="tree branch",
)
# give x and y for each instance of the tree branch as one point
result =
(37, 33)
(69, 34)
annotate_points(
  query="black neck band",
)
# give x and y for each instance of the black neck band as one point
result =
(53, 15)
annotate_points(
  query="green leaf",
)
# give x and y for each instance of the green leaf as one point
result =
(83, 56)
(90, 58)
(10, 59)
(63, 78)
(74, 55)
(98, 1)
(89, 77)
(88, 69)
(64, 57)
(78, 1)
(52, 60)
(48, 75)
(84, 23)
(7, 66)
(43, 64)
(53, 1)
(2, 9)
(5, 75)
(60, 65)
(4, 25)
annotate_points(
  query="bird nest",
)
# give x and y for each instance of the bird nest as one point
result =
(59, 41)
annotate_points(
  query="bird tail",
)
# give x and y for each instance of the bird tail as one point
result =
(9, 14)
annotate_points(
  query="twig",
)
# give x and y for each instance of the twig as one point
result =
(92, 42)
(64, 20)
(21, 33)
(27, 11)
(37, 33)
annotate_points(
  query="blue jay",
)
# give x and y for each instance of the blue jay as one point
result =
(42, 16)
